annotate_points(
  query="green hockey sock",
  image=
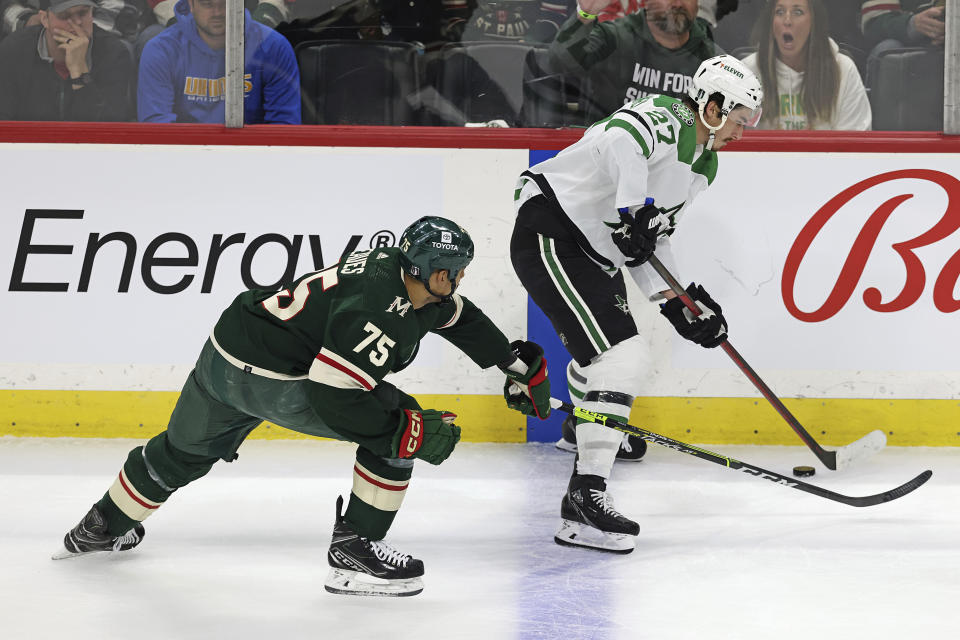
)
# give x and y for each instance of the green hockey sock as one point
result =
(379, 485)
(148, 477)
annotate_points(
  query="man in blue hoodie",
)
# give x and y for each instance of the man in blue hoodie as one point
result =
(183, 78)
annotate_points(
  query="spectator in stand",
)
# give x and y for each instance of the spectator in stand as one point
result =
(655, 51)
(910, 22)
(807, 82)
(162, 14)
(893, 24)
(65, 68)
(121, 17)
(182, 70)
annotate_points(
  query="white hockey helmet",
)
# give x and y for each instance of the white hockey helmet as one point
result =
(739, 87)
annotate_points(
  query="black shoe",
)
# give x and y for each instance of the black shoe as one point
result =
(91, 535)
(590, 519)
(631, 449)
(363, 567)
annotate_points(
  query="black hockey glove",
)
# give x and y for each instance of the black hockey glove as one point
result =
(529, 392)
(636, 237)
(426, 434)
(709, 329)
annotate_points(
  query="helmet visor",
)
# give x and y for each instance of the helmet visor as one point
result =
(746, 117)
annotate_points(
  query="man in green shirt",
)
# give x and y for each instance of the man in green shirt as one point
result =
(654, 51)
(312, 358)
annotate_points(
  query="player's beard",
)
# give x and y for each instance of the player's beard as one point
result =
(674, 21)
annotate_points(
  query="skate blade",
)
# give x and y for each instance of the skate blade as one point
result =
(565, 445)
(354, 583)
(64, 553)
(575, 534)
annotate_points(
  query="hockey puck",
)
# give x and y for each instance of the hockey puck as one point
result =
(803, 472)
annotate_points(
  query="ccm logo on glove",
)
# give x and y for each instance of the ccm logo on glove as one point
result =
(413, 433)
(426, 434)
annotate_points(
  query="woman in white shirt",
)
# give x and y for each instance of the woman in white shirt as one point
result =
(807, 82)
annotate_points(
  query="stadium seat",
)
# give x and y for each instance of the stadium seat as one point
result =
(358, 82)
(481, 81)
(550, 99)
(906, 92)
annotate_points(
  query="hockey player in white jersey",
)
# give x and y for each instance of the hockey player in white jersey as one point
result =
(606, 203)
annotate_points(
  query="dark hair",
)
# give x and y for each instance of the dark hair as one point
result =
(717, 98)
(821, 79)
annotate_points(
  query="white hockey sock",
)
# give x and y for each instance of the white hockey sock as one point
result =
(597, 447)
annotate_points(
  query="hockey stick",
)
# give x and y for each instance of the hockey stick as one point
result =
(833, 460)
(755, 471)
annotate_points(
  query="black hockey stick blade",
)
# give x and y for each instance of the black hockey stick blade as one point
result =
(737, 465)
(833, 460)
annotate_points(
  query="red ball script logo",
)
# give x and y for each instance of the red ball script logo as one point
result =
(856, 260)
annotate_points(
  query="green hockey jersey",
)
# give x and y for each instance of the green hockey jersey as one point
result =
(345, 328)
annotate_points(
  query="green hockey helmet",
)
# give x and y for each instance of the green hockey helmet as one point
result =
(433, 243)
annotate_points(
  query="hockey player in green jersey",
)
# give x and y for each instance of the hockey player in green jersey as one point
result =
(603, 204)
(312, 358)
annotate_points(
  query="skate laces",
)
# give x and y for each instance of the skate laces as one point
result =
(625, 445)
(605, 501)
(387, 553)
(130, 537)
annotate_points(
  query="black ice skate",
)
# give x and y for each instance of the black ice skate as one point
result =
(361, 567)
(631, 449)
(589, 519)
(91, 535)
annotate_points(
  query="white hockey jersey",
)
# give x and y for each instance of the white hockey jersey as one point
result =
(646, 149)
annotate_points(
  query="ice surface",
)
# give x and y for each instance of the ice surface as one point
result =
(240, 554)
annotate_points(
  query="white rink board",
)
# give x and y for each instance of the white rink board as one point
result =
(735, 241)
(143, 340)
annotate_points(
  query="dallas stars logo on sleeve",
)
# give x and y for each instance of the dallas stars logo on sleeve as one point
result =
(622, 304)
(683, 112)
